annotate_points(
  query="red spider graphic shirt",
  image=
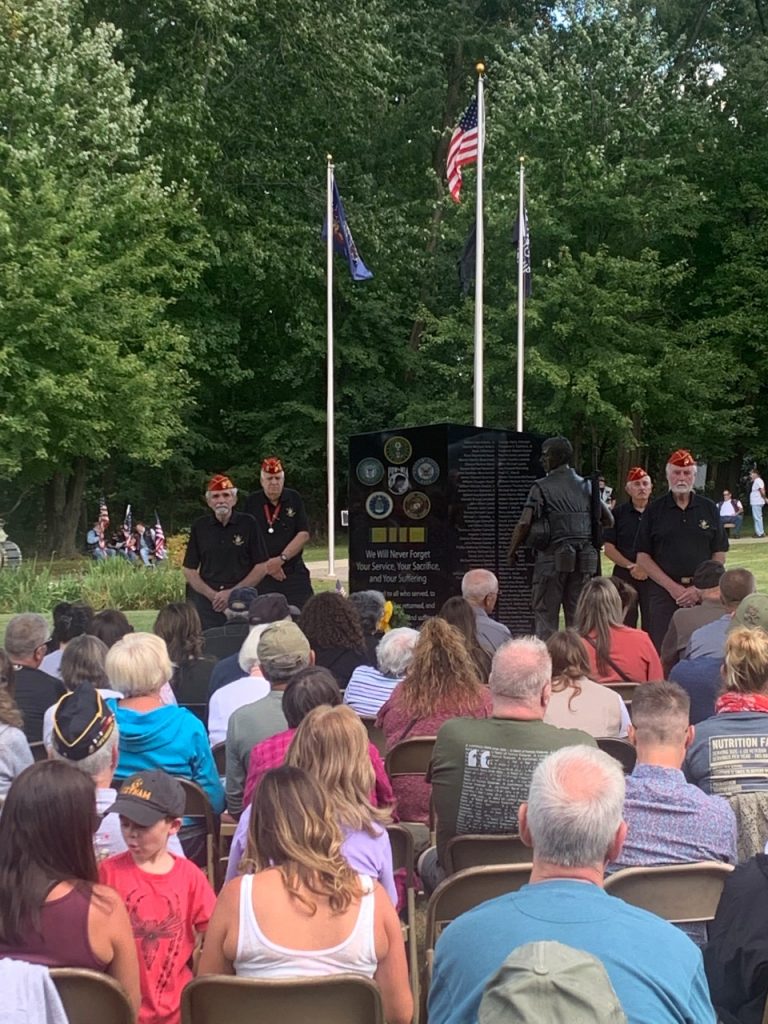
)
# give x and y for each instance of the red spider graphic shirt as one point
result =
(167, 912)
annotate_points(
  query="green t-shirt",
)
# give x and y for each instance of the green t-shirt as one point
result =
(481, 772)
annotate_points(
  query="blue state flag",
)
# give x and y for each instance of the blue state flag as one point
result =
(343, 242)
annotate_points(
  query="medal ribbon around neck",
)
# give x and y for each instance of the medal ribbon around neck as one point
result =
(271, 516)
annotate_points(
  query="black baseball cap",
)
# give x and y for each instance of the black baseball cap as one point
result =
(268, 608)
(147, 797)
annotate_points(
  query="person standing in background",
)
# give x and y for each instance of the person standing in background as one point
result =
(621, 542)
(757, 501)
(677, 533)
(225, 551)
(282, 521)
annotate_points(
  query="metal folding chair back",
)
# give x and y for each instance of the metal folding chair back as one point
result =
(680, 893)
(621, 750)
(337, 999)
(375, 734)
(219, 751)
(90, 996)
(411, 756)
(39, 753)
(466, 889)
(199, 806)
(625, 690)
(473, 851)
(401, 842)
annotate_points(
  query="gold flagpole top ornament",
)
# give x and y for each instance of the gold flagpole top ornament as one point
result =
(480, 68)
(522, 160)
(329, 157)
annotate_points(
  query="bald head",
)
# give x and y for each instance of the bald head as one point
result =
(481, 588)
(521, 675)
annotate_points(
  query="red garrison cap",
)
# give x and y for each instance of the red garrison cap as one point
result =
(681, 458)
(220, 482)
(272, 466)
(636, 473)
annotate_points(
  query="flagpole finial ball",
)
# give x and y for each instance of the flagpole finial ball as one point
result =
(480, 68)
(329, 157)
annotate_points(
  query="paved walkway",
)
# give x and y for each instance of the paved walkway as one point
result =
(319, 570)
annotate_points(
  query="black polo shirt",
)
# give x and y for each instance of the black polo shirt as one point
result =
(679, 540)
(224, 555)
(623, 533)
(287, 518)
(36, 691)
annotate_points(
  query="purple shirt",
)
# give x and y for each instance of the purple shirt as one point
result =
(368, 855)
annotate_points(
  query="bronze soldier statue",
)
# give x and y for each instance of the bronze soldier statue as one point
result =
(561, 520)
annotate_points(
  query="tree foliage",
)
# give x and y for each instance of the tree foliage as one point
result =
(162, 192)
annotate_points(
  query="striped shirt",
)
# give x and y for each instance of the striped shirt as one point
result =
(367, 690)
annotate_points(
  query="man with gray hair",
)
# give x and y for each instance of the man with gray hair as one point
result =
(573, 821)
(369, 688)
(480, 588)
(250, 686)
(282, 650)
(225, 551)
(482, 767)
(36, 691)
(677, 533)
(85, 733)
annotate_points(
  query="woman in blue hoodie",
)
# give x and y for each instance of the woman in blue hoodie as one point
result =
(154, 734)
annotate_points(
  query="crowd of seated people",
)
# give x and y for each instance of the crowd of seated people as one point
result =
(97, 852)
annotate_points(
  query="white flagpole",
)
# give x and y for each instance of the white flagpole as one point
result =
(520, 297)
(330, 441)
(479, 249)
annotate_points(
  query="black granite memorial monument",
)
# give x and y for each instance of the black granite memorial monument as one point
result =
(428, 503)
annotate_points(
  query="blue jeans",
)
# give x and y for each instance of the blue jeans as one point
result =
(757, 516)
(735, 522)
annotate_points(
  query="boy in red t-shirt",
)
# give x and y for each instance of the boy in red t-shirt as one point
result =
(169, 899)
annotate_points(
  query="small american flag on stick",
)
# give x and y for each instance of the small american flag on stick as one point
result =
(103, 521)
(159, 539)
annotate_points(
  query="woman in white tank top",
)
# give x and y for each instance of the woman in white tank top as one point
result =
(305, 912)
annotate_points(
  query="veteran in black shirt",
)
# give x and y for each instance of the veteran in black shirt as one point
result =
(677, 533)
(620, 542)
(282, 521)
(225, 551)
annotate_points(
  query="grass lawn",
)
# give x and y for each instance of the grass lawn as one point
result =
(746, 553)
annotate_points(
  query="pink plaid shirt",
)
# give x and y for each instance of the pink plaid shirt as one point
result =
(270, 753)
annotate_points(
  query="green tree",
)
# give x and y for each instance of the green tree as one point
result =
(93, 251)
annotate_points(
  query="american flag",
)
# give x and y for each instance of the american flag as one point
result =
(159, 539)
(130, 540)
(463, 148)
(103, 520)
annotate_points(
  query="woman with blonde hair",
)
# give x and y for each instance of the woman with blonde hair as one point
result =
(577, 701)
(154, 734)
(15, 754)
(617, 653)
(440, 683)
(331, 743)
(727, 755)
(305, 912)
